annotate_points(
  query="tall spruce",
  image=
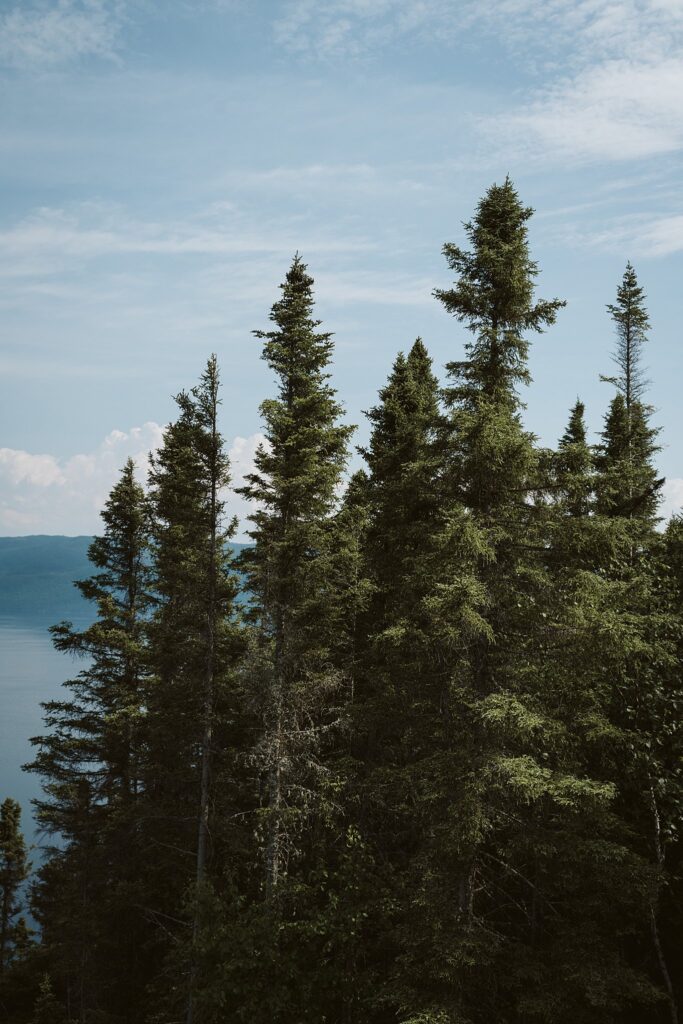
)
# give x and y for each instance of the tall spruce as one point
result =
(87, 895)
(525, 795)
(632, 323)
(628, 482)
(14, 869)
(297, 682)
(196, 642)
(423, 611)
(644, 666)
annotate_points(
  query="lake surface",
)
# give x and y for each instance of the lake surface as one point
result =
(31, 671)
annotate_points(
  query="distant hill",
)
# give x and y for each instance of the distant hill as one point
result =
(36, 578)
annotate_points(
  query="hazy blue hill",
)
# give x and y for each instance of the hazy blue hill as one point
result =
(36, 578)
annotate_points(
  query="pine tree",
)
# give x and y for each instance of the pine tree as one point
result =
(632, 324)
(14, 869)
(523, 794)
(195, 645)
(423, 609)
(292, 575)
(573, 465)
(644, 664)
(48, 1009)
(87, 895)
(628, 482)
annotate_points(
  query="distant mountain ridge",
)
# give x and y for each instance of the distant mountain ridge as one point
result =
(37, 576)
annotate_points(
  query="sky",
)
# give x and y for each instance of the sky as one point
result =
(161, 161)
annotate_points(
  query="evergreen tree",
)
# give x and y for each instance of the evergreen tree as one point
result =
(523, 795)
(574, 464)
(422, 611)
(14, 868)
(643, 665)
(191, 697)
(87, 896)
(632, 323)
(48, 1009)
(628, 482)
(292, 573)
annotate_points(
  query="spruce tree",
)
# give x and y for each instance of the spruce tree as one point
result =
(523, 794)
(573, 465)
(14, 868)
(644, 664)
(422, 611)
(628, 482)
(297, 683)
(632, 323)
(87, 896)
(48, 1009)
(195, 643)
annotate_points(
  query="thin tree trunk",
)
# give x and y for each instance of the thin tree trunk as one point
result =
(207, 735)
(274, 841)
(673, 1009)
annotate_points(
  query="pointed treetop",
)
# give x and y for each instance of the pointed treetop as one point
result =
(576, 427)
(493, 293)
(632, 324)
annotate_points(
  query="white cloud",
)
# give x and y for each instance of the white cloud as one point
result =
(610, 72)
(49, 34)
(613, 86)
(44, 494)
(42, 241)
(617, 110)
(41, 493)
(672, 498)
(638, 235)
(662, 237)
(19, 467)
(579, 31)
(351, 28)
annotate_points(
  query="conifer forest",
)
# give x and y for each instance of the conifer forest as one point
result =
(410, 756)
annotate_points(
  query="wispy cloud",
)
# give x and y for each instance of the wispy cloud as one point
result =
(44, 494)
(615, 111)
(672, 498)
(353, 28)
(49, 34)
(602, 80)
(89, 230)
(640, 235)
(612, 86)
(578, 31)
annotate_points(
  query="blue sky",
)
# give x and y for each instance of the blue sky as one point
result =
(161, 162)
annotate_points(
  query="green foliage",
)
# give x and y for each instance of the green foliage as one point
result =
(87, 893)
(14, 869)
(432, 774)
(48, 1009)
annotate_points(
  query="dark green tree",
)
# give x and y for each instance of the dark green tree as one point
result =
(628, 485)
(574, 465)
(298, 684)
(87, 896)
(196, 642)
(14, 869)
(632, 323)
(644, 665)
(48, 1009)
(528, 817)
(422, 611)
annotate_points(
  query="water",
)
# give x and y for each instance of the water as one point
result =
(31, 671)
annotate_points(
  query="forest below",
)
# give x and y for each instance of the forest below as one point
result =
(414, 754)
